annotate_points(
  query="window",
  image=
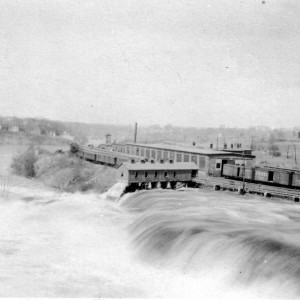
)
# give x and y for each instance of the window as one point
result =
(194, 159)
(153, 154)
(165, 155)
(178, 157)
(155, 174)
(137, 151)
(202, 162)
(166, 174)
(128, 149)
(136, 174)
(175, 174)
(158, 154)
(122, 174)
(218, 165)
(142, 152)
(172, 155)
(186, 158)
(147, 153)
(146, 174)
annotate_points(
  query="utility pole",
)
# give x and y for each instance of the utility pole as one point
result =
(244, 169)
(135, 133)
(295, 154)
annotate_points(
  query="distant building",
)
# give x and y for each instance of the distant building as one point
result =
(36, 131)
(51, 133)
(13, 128)
(108, 139)
(4, 127)
(67, 136)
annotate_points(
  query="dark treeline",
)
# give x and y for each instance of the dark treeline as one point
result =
(83, 132)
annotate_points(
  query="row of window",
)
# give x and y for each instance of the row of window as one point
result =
(180, 157)
(155, 174)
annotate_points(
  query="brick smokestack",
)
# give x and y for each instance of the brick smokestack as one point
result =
(135, 132)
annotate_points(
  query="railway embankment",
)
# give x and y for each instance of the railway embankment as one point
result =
(63, 171)
(241, 187)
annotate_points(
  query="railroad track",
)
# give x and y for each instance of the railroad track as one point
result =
(262, 189)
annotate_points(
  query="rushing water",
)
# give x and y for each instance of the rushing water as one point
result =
(238, 242)
(191, 243)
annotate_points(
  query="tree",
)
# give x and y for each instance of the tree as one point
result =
(274, 150)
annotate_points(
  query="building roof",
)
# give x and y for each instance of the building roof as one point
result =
(187, 149)
(96, 150)
(273, 168)
(138, 166)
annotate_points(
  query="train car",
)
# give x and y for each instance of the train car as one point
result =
(121, 159)
(283, 177)
(231, 170)
(238, 172)
(262, 174)
(247, 173)
(274, 176)
(296, 179)
(89, 156)
(103, 156)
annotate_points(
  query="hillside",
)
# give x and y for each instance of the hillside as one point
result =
(11, 138)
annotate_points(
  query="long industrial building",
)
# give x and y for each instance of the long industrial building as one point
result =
(209, 161)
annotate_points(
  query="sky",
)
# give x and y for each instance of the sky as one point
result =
(195, 63)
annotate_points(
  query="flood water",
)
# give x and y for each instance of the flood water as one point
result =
(169, 244)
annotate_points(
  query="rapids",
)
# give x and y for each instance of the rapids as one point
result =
(159, 243)
(228, 241)
(148, 244)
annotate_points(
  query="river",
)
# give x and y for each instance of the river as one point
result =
(168, 244)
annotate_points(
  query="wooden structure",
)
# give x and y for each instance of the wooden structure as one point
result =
(142, 174)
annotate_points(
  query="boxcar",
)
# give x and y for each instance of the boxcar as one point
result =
(121, 159)
(231, 170)
(238, 171)
(274, 175)
(283, 177)
(249, 173)
(261, 174)
(296, 179)
(89, 156)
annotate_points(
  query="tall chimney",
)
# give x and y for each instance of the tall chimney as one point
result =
(135, 132)
(108, 138)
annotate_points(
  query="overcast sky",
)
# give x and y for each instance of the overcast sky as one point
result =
(188, 63)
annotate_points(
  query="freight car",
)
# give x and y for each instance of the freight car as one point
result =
(107, 157)
(237, 171)
(264, 174)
